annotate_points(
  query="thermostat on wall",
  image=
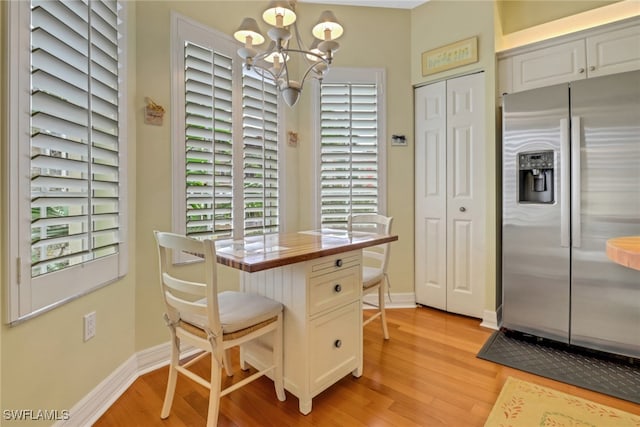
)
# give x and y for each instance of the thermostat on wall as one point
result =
(400, 140)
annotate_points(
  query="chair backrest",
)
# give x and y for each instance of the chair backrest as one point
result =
(374, 256)
(186, 298)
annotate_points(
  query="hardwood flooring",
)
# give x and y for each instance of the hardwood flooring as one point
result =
(427, 374)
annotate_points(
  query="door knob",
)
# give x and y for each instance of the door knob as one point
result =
(463, 209)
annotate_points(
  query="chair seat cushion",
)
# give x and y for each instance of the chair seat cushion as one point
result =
(239, 310)
(371, 276)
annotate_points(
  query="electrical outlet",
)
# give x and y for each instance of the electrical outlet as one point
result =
(89, 325)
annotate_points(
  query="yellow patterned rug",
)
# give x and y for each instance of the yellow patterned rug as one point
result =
(523, 404)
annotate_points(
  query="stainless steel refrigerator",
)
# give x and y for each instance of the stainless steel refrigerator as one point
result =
(571, 180)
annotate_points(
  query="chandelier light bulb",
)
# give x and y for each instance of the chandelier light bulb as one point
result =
(249, 33)
(327, 27)
(276, 58)
(279, 14)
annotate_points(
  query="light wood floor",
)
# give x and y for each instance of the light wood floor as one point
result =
(427, 374)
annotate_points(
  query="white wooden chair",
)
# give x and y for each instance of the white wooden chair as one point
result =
(198, 315)
(375, 260)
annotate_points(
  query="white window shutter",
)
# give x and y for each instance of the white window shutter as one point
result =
(260, 148)
(208, 138)
(74, 199)
(349, 163)
(230, 124)
(74, 133)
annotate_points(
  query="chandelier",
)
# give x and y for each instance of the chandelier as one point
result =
(287, 43)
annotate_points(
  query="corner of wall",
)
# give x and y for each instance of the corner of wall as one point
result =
(3, 191)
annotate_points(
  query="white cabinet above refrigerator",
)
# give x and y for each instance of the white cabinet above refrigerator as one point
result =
(609, 49)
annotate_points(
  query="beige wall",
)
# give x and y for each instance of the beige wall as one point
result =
(587, 14)
(44, 362)
(518, 15)
(3, 208)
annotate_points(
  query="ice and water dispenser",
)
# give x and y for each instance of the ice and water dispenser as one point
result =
(536, 177)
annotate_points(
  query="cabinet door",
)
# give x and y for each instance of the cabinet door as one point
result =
(552, 65)
(335, 346)
(466, 183)
(614, 52)
(505, 76)
(431, 195)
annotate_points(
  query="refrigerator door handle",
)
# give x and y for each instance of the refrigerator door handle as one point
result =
(564, 183)
(576, 143)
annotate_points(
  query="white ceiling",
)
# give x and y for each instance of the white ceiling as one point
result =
(398, 4)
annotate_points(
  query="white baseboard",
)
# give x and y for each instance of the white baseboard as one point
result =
(404, 300)
(93, 405)
(153, 358)
(99, 400)
(490, 319)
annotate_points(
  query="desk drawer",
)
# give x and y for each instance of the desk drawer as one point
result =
(335, 347)
(336, 262)
(334, 289)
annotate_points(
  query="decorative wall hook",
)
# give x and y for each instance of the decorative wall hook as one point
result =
(153, 113)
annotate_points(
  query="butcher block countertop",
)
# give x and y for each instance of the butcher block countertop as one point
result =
(256, 253)
(625, 251)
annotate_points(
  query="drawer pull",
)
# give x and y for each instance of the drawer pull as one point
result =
(337, 288)
(338, 263)
(337, 344)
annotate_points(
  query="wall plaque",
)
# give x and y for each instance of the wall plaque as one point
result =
(450, 56)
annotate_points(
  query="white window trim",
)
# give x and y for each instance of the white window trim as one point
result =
(184, 29)
(25, 297)
(351, 75)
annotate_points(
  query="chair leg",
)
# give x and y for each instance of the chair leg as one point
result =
(278, 360)
(243, 363)
(226, 360)
(383, 314)
(214, 392)
(173, 377)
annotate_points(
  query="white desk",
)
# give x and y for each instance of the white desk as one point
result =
(317, 276)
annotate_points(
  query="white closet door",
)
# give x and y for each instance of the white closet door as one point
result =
(431, 195)
(466, 183)
(449, 195)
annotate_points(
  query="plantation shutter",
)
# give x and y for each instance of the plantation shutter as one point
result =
(260, 161)
(349, 151)
(208, 138)
(75, 209)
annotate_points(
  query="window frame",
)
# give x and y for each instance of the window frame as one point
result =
(184, 29)
(27, 297)
(351, 75)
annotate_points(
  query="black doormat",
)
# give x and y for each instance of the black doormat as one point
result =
(602, 372)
